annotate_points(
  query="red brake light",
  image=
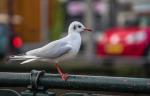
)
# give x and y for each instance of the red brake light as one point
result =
(17, 42)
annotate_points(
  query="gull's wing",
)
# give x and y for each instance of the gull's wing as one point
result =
(52, 50)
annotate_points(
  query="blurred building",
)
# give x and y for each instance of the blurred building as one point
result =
(39, 21)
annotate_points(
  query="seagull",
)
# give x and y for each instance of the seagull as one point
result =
(58, 50)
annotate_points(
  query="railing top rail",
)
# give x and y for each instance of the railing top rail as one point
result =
(77, 82)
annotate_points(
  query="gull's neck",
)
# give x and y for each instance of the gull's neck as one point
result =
(74, 35)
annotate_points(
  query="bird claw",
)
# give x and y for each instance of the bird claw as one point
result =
(64, 77)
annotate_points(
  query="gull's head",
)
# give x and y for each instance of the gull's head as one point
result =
(77, 27)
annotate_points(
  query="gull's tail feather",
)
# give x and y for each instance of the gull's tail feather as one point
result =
(22, 57)
(27, 61)
(25, 58)
(16, 58)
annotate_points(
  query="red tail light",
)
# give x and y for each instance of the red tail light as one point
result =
(17, 42)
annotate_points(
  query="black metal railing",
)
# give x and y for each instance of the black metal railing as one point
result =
(39, 80)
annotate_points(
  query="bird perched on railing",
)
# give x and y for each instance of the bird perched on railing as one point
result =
(58, 50)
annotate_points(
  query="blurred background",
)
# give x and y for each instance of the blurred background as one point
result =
(119, 44)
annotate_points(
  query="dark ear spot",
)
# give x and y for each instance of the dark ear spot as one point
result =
(74, 27)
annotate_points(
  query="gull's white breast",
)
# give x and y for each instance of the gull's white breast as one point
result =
(75, 41)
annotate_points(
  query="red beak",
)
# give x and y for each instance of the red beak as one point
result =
(87, 29)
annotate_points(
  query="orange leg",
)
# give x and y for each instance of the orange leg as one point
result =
(64, 76)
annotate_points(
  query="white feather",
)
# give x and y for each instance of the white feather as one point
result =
(27, 61)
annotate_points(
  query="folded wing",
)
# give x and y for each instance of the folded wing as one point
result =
(52, 50)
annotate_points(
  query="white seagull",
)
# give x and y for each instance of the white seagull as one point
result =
(56, 51)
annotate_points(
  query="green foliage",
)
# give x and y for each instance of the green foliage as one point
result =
(57, 28)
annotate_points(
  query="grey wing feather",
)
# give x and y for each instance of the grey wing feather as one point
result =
(61, 52)
(52, 50)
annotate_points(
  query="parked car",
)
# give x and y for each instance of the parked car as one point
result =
(131, 40)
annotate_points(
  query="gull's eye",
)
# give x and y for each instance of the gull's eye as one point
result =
(79, 26)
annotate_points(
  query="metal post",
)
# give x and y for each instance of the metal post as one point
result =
(78, 82)
(44, 20)
(88, 20)
(113, 12)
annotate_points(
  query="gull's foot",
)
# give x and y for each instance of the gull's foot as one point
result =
(64, 77)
